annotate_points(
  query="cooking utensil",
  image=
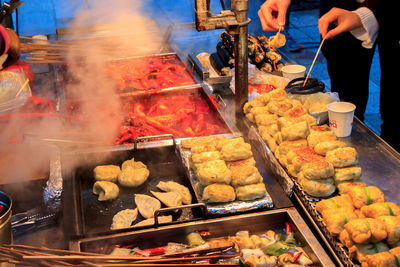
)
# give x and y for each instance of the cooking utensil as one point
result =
(311, 86)
(312, 64)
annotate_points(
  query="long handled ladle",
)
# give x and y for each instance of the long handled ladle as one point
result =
(312, 64)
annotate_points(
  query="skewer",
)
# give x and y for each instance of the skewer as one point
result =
(100, 257)
(312, 64)
(206, 257)
(52, 250)
(169, 265)
(22, 87)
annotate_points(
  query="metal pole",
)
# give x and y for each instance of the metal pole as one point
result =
(241, 7)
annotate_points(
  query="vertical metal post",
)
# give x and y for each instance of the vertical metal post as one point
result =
(241, 7)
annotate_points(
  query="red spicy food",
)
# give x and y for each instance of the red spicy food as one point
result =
(260, 88)
(149, 74)
(180, 115)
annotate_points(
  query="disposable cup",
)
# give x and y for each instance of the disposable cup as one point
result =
(292, 72)
(341, 116)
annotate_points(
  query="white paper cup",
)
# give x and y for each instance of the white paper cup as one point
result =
(341, 116)
(293, 71)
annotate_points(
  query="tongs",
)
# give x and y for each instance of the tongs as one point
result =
(31, 219)
(312, 86)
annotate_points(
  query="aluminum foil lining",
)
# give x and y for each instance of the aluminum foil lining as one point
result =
(222, 208)
(54, 185)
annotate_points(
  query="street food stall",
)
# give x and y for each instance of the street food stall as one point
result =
(164, 159)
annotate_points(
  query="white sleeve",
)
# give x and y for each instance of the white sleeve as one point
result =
(368, 32)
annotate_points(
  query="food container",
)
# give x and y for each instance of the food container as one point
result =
(5, 219)
(90, 216)
(221, 227)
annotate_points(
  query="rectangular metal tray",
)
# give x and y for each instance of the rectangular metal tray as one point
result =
(375, 157)
(94, 217)
(255, 223)
(231, 207)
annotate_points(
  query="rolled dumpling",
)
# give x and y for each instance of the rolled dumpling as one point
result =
(170, 199)
(171, 186)
(147, 205)
(105, 190)
(131, 177)
(124, 219)
(106, 173)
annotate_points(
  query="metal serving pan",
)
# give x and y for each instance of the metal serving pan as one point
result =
(380, 164)
(91, 216)
(255, 223)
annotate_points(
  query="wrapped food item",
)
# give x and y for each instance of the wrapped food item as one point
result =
(215, 171)
(171, 186)
(343, 187)
(236, 151)
(387, 258)
(376, 210)
(131, 177)
(124, 219)
(318, 169)
(336, 219)
(245, 175)
(392, 226)
(106, 173)
(367, 195)
(250, 192)
(334, 203)
(215, 193)
(296, 131)
(105, 190)
(360, 252)
(342, 157)
(317, 188)
(366, 230)
(347, 174)
(325, 146)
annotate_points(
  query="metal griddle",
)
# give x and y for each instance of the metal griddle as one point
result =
(92, 217)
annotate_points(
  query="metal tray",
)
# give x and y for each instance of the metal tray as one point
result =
(219, 227)
(94, 217)
(225, 208)
(376, 158)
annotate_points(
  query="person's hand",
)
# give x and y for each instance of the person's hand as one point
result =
(14, 48)
(343, 19)
(272, 14)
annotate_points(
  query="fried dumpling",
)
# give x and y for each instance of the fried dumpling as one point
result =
(238, 151)
(106, 190)
(203, 140)
(343, 187)
(361, 251)
(336, 219)
(214, 193)
(171, 186)
(131, 177)
(250, 192)
(317, 188)
(387, 258)
(342, 157)
(245, 162)
(295, 131)
(362, 196)
(334, 203)
(214, 172)
(244, 175)
(147, 205)
(134, 164)
(347, 173)
(170, 199)
(265, 119)
(124, 219)
(323, 147)
(318, 169)
(106, 173)
(381, 209)
(319, 135)
(392, 226)
(366, 230)
(205, 156)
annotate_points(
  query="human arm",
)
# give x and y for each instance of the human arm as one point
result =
(272, 14)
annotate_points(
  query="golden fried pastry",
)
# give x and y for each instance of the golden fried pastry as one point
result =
(205, 156)
(265, 119)
(245, 175)
(279, 107)
(304, 158)
(316, 137)
(201, 141)
(272, 129)
(383, 259)
(295, 131)
(318, 169)
(325, 146)
(250, 192)
(342, 157)
(124, 219)
(347, 173)
(334, 203)
(214, 193)
(131, 177)
(248, 106)
(245, 162)
(286, 146)
(106, 190)
(317, 188)
(134, 164)
(278, 138)
(259, 110)
(213, 172)
(392, 226)
(366, 230)
(236, 151)
(336, 219)
(263, 98)
(362, 196)
(381, 209)
(106, 173)
(229, 141)
(171, 186)
(344, 186)
(360, 252)
(263, 260)
(203, 148)
(307, 151)
(170, 199)
(287, 121)
(270, 141)
(277, 95)
(320, 128)
(295, 112)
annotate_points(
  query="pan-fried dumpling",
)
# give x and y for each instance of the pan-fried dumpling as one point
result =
(106, 173)
(218, 193)
(124, 219)
(295, 131)
(366, 230)
(170, 199)
(106, 190)
(172, 186)
(250, 192)
(386, 258)
(362, 196)
(131, 177)
(150, 221)
(147, 205)
(342, 157)
(392, 226)
(134, 164)
(381, 209)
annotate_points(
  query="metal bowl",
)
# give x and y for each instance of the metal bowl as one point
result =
(5, 219)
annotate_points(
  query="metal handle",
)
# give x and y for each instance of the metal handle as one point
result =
(144, 138)
(202, 206)
(223, 104)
